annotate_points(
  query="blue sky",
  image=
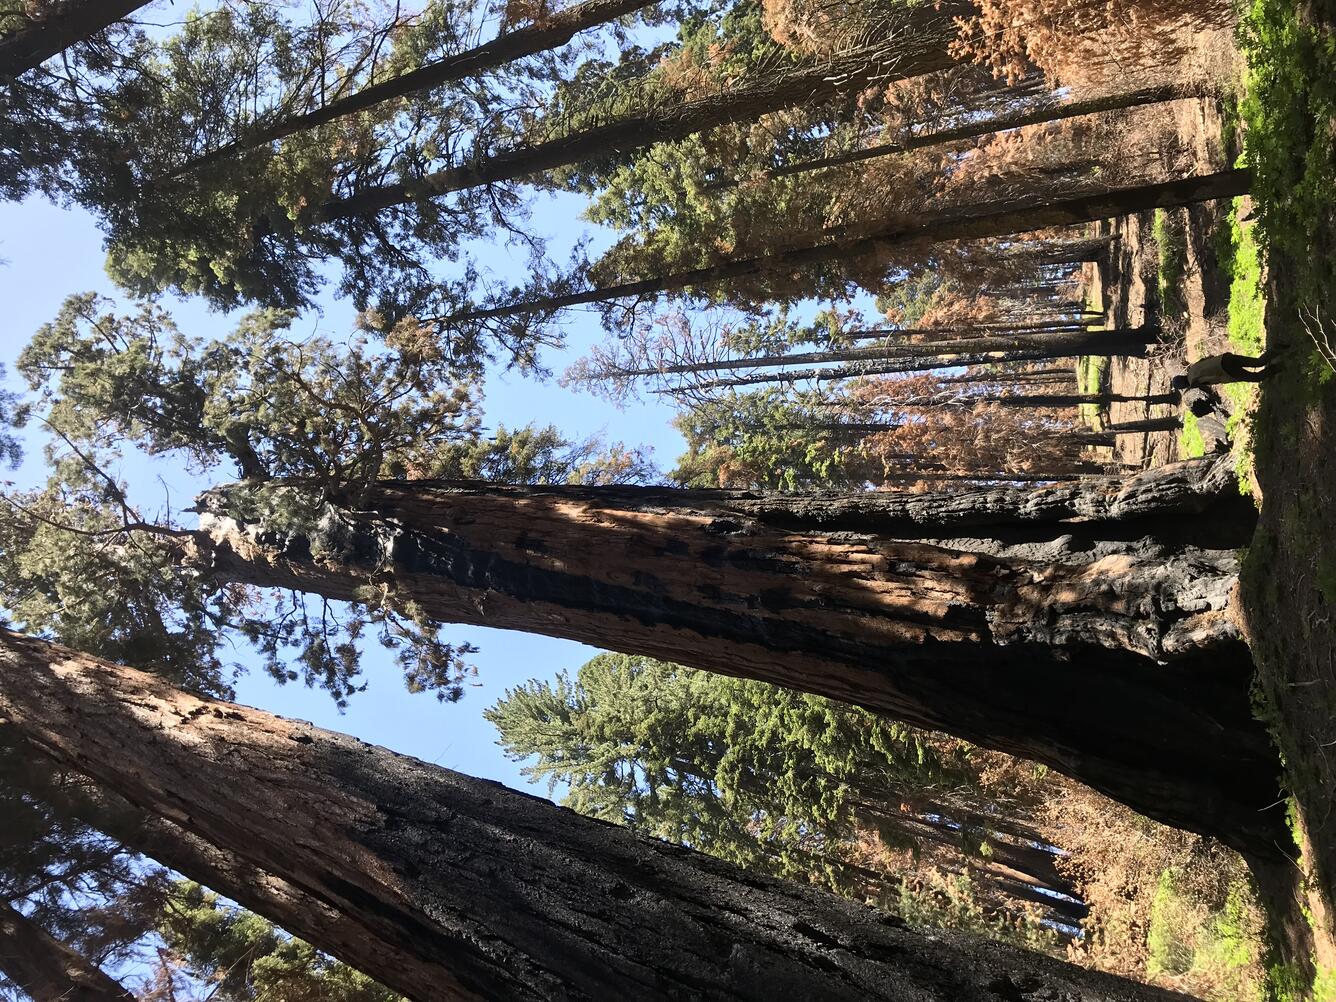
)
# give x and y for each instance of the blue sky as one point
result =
(50, 252)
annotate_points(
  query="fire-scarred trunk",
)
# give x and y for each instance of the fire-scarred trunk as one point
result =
(1085, 626)
(462, 889)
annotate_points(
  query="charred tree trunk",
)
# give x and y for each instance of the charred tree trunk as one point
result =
(1049, 375)
(64, 24)
(1031, 212)
(1085, 626)
(48, 970)
(1072, 399)
(480, 892)
(552, 31)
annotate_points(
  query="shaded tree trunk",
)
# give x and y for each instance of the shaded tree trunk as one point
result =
(919, 44)
(64, 24)
(46, 968)
(970, 330)
(552, 31)
(1020, 215)
(1044, 622)
(481, 892)
(1071, 399)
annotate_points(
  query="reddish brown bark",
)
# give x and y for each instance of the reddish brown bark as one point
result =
(481, 892)
(1085, 626)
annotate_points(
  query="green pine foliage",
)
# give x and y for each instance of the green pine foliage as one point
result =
(767, 439)
(240, 957)
(771, 779)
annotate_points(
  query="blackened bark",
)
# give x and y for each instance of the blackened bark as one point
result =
(481, 892)
(1021, 215)
(553, 31)
(46, 968)
(63, 25)
(1084, 625)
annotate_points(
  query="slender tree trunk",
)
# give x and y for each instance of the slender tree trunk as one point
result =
(1170, 423)
(1075, 342)
(970, 330)
(1047, 111)
(481, 892)
(1083, 626)
(919, 44)
(1055, 375)
(1105, 344)
(552, 31)
(978, 222)
(1071, 399)
(63, 24)
(48, 970)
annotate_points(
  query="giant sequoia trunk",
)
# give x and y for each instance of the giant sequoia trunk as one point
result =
(462, 889)
(62, 25)
(1085, 626)
(46, 969)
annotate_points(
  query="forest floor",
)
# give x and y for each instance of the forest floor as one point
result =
(1289, 578)
(1165, 270)
(1199, 274)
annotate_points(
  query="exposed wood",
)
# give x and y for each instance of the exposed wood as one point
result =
(1044, 622)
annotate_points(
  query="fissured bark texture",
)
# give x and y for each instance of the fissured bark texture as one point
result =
(1084, 626)
(463, 889)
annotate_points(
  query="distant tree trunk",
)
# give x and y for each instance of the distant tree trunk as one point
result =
(1105, 344)
(552, 31)
(1071, 399)
(1049, 375)
(1043, 622)
(47, 969)
(1071, 344)
(969, 330)
(1034, 113)
(62, 25)
(477, 891)
(918, 44)
(1030, 212)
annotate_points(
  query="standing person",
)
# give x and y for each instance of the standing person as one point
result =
(1226, 367)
